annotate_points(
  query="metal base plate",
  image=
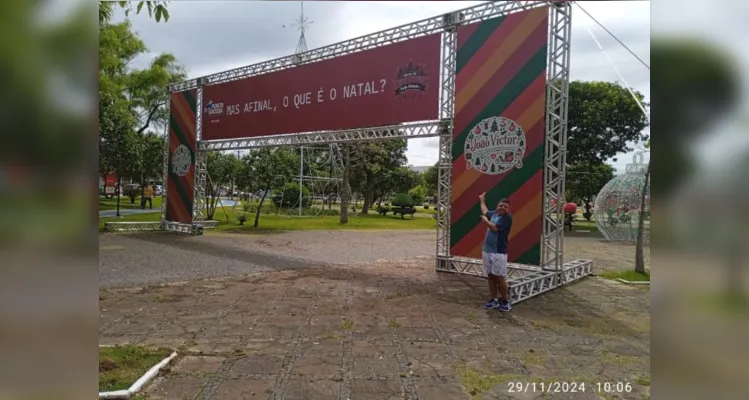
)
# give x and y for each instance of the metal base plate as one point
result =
(132, 226)
(525, 281)
(189, 229)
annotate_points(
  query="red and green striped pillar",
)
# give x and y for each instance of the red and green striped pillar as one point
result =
(182, 145)
(500, 72)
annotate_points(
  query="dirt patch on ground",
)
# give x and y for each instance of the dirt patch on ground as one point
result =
(386, 330)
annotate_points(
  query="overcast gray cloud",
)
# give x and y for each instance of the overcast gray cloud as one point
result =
(212, 36)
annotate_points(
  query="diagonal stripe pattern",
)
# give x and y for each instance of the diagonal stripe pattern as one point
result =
(501, 72)
(182, 132)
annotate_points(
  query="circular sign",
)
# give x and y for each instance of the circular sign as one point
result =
(495, 146)
(181, 160)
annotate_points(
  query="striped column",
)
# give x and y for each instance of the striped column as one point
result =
(182, 143)
(501, 72)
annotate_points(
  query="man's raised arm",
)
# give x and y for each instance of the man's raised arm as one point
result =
(482, 198)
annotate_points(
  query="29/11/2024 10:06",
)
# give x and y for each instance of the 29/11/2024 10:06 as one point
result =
(568, 387)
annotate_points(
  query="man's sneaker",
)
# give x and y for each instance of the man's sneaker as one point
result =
(505, 306)
(491, 304)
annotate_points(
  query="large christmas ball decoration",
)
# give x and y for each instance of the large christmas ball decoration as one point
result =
(618, 205)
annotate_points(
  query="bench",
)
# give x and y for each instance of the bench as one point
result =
(403, 211)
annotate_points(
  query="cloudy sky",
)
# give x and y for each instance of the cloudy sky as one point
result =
(212, 36)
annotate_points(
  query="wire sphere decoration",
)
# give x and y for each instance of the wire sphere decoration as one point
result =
(618, 204)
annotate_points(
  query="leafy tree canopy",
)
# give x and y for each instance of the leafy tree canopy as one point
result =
(603, 120)
(583, 181)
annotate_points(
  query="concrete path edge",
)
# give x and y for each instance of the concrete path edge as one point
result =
(141, 382)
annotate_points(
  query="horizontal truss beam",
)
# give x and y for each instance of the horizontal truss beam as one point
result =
(418, 130)
(401, 33)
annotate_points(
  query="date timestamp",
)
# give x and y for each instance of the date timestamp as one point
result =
(568, 387)
(546, 387)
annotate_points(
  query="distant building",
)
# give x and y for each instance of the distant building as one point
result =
(419, 170)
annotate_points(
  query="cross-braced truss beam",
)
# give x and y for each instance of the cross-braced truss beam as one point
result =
(526, 281)
(555, 144)
(405, 131)
(389, 36)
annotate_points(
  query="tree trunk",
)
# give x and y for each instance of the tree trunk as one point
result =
(639, 254)
(118, 192)
(149, 118)
(259, 207)
(346, 188)
(368, 201)
(208, 191)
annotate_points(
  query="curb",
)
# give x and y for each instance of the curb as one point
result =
(140, 383)
(643, 283)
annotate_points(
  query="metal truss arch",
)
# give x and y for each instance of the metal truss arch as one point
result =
(525, 281)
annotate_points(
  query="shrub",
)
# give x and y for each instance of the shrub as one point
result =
(426, 206)
(418, 194)
(252, 208)
(403, 200)
(242, 218)
(288, 196)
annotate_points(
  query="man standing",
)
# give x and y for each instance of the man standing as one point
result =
(494, 252)
(147, 197)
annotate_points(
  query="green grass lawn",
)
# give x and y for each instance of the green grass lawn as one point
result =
(111, 204)
(585, 226)
(627, 275)
(121, 366)
(272, 222)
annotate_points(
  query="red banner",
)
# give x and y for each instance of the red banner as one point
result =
(383, 86)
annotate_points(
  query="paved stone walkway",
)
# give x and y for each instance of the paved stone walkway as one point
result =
(383, 330)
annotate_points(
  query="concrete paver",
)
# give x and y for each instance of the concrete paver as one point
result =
(382, 330)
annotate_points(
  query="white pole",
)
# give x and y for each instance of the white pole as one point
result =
(301, 175)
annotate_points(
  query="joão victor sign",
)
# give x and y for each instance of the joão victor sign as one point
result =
(495, 146)
(181, 160)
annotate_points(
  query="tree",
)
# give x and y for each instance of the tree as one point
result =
(146, 90)
(148, 158)
(221, 169)
(269, 169)
(116, 139)
(370, 163)
(585, 180)
(139, 94)
(431, 179)
(603, 120)
(156, 9)
(118, 46)
(394, 180)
